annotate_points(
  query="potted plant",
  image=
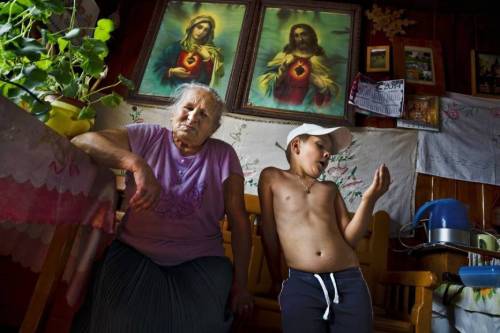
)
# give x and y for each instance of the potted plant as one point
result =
(43, 70)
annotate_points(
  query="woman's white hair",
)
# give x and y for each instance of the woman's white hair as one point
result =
(181, 92)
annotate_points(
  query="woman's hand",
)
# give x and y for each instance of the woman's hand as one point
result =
(148, 189)
(241, 302)
(379, 185)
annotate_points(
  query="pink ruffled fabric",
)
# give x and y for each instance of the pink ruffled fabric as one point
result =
(46, 182)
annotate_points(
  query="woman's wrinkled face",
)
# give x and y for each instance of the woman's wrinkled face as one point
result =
(196, 118)
(200, 31)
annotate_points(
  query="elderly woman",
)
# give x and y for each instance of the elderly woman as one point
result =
(166, 272)
(194, 58)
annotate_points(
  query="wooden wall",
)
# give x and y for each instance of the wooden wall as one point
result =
(459, 25)
(482, 199)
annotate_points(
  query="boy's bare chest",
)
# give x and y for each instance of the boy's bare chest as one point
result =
(293, 198)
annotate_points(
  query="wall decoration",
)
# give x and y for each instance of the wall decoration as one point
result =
(388, 21)
(193, 41)
(136, 115)
(304, 59)
(421, 112)
(420, 63)
(377, 97)
(344, 175)
(485, 74)
(468, 146)
(378, 58)
(352, 169)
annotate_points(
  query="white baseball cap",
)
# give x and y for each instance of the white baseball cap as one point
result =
(341, 136)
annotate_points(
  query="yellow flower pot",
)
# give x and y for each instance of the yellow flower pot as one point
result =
(63, 118)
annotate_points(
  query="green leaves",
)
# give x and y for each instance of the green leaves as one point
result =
(62, 43)
(71, 89)
(128, 83)
(62, 72)
(4, 28)
(103, 30)
(93, 65)
(40, 109)
(93, 47)
(112, 100)
(72, 33)
(14, 8)
(31, 49)
(43, 64)
(35, 61)
(34, 73)
(93, 52)
(86, 112)
(53, 6)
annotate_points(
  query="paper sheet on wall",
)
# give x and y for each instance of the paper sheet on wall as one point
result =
(468, 146)
(382, 97)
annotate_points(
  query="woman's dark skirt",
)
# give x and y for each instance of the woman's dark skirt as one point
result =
(131, 293)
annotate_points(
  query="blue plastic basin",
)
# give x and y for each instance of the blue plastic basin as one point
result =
(480, 276)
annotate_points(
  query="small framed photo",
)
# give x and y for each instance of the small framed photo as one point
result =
(420, 112)
(193, 41)
(378, 58)
(485, 74)
(303, 62)
(420, 63)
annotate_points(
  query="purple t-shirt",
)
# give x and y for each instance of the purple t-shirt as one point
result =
(185, 223)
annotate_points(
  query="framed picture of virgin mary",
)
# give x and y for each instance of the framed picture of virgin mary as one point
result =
(192, 41)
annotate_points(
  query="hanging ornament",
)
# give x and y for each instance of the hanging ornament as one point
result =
(388, 21)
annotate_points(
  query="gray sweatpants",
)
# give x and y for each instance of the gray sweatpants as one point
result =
(326, 302)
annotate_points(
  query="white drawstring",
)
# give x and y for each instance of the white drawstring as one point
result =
(336, 296)
(327, 298)
(325, 293)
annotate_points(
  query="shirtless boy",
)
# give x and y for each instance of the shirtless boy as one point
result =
(325, 290)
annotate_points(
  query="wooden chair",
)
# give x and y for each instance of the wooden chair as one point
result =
(402, 301)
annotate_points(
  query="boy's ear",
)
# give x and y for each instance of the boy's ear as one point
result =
(295, 145)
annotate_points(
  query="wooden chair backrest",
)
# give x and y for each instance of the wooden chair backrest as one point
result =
(371, 251)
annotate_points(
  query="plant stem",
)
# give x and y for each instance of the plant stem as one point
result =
(25, 89)
(10, 11)
(22, 16)
(28, 27)
(101, 89)
(12, 39)
(73, 15)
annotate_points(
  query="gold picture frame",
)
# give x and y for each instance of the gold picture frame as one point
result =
(420, 63)
(378, 58)
(485, 74)
(421, 112)
(281, 85)
(167, 58)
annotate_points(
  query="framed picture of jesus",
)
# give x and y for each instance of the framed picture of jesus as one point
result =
(303, 61)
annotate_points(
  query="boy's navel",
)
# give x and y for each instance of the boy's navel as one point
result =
(318, 253)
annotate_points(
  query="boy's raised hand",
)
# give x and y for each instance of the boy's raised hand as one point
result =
(380, 183)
